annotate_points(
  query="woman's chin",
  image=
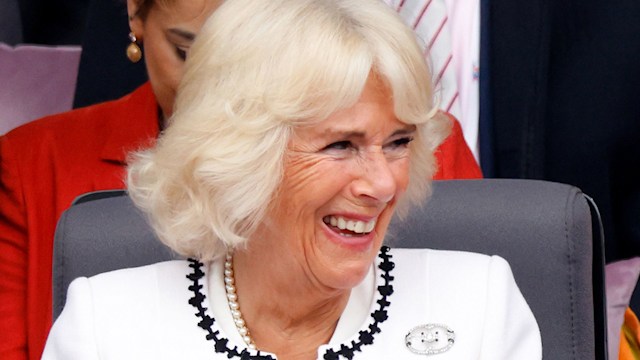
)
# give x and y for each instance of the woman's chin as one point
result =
(347, 276)
(348, 258)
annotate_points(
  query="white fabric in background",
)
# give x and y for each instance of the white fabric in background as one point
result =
(464, 23)
(458, 37)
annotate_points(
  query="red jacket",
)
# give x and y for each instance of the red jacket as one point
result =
(47, 163)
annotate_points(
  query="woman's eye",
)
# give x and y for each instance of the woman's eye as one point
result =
(182, 53)
(402, 142)
(339, 145)
(398, 147)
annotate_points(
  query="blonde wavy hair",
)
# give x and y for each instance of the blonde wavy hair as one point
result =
(257, 70)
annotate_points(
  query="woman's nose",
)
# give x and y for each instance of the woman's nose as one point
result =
(376, 180)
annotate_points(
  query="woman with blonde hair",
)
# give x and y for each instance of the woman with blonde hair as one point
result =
(84, 150)
(300, 127)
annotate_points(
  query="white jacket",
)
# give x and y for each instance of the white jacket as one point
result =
(144, 313)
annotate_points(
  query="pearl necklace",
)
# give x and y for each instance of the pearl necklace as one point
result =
(365, 337)
(232, 300)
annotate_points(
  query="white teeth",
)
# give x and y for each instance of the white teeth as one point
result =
(351, 225)
(370, 225)
(358, 227)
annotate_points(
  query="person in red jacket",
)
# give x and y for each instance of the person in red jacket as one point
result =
(47, 163)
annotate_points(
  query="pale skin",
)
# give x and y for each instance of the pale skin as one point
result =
(166, 34)
(353, 165)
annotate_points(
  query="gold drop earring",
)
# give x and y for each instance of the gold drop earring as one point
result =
(134, 53)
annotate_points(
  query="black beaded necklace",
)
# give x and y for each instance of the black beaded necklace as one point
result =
(366, 337)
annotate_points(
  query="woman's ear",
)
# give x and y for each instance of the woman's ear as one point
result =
(136, 24)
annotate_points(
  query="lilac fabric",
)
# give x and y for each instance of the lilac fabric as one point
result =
(622, 277)
(35, 81)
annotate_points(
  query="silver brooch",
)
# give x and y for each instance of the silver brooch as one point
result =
(430, 339)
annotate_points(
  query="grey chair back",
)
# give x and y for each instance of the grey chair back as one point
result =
(542, 229)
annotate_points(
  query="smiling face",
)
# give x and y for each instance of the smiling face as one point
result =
(167, 32)
(342, 179)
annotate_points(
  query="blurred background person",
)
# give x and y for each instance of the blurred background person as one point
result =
(73, 153)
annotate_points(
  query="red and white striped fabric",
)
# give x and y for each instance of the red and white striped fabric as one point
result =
(464, 24)
(430, 21)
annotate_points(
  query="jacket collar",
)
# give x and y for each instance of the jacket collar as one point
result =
(133, 125)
